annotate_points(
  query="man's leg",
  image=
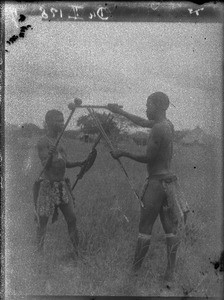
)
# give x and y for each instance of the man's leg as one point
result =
(41, 232)
(69, 215)
(152, 199)
(181, 201)
(170, 225)
(36, 188)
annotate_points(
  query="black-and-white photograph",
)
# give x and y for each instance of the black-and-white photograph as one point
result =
(113, 149)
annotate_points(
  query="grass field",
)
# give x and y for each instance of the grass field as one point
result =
(107, 238)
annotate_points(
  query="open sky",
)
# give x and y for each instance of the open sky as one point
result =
(115, 62)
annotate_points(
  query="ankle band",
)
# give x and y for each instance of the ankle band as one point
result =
(170, 235)
(144, 236)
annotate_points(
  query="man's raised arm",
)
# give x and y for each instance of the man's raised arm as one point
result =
(152, 148)
(135, 119)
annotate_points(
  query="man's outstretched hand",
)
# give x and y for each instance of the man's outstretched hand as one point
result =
(114, 108)
(82, 163)
(116, 154)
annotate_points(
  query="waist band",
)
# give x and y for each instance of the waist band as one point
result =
(168, 178)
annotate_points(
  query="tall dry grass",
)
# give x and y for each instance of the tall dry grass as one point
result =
(107, 219)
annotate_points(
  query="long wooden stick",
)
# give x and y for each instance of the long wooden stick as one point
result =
(91, 111)
(97, 106)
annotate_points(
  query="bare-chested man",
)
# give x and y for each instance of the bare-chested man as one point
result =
(53, 190)
(158, 194)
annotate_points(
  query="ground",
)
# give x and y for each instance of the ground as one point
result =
(108, 235)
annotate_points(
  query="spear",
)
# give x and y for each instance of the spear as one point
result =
(92, 156)
(91, 111)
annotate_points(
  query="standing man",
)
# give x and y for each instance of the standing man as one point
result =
(53, 190)
(158, 194)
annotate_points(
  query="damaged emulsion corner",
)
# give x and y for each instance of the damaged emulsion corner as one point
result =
(21, 34)
(22, 18)
(220, 263)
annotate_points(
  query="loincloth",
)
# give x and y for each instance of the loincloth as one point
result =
(49, 195)
(175, 197)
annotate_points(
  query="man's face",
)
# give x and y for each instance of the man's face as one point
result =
(150, 109)
(57, 123)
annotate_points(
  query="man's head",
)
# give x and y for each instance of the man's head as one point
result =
(157, 103)
(54, 120)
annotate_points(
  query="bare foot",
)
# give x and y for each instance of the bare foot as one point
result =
(169, 276)
(135, 270)
(185, 216)
(39, 250)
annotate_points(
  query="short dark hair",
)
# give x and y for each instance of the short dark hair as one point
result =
(51, 114)
(160, 99)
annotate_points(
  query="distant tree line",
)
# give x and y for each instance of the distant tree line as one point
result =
(179, 135)
(117, 129)
(29, 129)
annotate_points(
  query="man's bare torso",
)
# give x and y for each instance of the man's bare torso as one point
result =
(160, 164)
(56, 171)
